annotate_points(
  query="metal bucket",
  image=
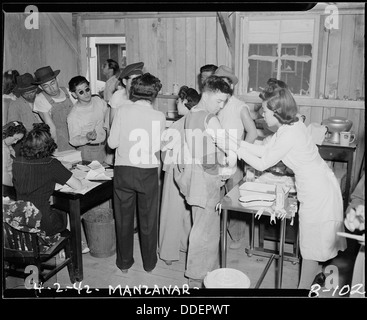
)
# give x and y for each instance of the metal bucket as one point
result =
(226, 278)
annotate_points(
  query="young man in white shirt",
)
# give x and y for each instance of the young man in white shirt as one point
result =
(87, 121)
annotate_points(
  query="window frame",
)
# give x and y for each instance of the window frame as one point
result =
(243, 49)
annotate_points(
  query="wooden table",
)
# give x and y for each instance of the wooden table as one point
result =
(76, 204)
(338, 153)
(230, 203)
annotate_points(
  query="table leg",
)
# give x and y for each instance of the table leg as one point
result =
(348, 178)
(76, 238)
(281, 252)
(252, 232)
(263, 274)
(223, 242)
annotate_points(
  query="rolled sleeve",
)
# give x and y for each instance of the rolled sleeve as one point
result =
(41, 104)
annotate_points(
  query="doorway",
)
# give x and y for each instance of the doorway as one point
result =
(99, 50)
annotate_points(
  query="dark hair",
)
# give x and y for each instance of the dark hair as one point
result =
(215, 83)
(182, 93)
(281, 101)
(9, 81)
(208, 67)
(193, 98)
(272, 85)
(190, 94)
(12, 128)
(276, 82)
(145, 87)
(112, 64)
(38, 143)
(76, 81)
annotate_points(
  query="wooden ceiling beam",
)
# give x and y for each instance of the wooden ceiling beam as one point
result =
(228, 32)
(142, 15)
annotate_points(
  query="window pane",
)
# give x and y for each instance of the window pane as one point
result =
(114, 55)
(103, 55)
(260, 68)
(297, 73)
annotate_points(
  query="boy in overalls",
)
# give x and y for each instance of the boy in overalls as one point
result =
(53, 105)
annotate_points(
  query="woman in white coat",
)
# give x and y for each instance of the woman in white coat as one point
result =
(319, 194)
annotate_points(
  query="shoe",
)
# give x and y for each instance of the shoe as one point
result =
(235, 244)
(319, 279)
(124, 270)
(195, 283)
(85, 248)
(168, 262)
(149, 270)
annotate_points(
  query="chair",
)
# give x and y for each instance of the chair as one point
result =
(25, 247)
(9, 191)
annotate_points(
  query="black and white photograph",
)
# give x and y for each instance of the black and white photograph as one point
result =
(210, 151)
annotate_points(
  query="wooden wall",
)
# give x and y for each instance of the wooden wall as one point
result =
(53, 44)
(341, 68)
(174, 49)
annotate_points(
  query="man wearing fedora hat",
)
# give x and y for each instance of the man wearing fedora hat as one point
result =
(21, 109)
(236, 117)
(53, 104)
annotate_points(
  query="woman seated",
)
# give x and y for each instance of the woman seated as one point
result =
(35, 174)
(12, 133)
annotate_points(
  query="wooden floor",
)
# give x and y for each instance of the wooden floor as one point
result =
(102, 272)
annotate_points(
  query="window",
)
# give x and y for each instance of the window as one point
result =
(116, 52)
(278, 48)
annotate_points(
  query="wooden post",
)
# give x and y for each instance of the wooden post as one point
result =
(228, 33)
(79, 44)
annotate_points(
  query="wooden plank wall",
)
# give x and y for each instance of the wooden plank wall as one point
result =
(27, 50)
(342, 69)
(174, 49)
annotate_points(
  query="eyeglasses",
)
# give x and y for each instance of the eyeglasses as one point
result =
(81, 92)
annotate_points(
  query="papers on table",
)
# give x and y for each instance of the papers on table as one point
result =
(95, 175)
(86, 186)
(96, 166)
(72, 156)
(94, 171)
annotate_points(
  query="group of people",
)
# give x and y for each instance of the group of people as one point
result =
(202, 155)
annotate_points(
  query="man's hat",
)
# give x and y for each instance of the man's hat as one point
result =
(45, 74)
(25, 82)
(134, 68)
(224, 71)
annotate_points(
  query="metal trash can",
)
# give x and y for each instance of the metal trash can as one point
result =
(100, 232)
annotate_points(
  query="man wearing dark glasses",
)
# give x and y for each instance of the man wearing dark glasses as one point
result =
(87, 121)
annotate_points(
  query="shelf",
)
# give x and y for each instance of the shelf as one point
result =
(307, 101)
(167, 96)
